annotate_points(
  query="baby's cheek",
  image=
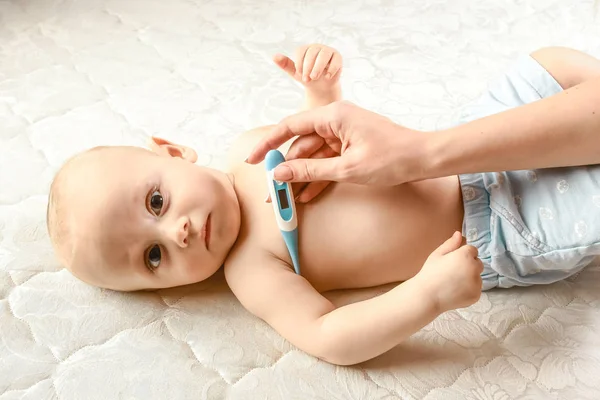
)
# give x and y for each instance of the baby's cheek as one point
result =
(194, 271)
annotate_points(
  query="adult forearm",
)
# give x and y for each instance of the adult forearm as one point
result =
(364, 330)
(562, 130)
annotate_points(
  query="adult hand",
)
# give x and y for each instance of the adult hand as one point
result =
(345, 143)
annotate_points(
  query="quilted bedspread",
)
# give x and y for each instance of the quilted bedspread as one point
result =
(76, 74)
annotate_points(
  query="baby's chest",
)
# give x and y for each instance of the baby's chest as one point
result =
(352, 235)
(347, 225)
(356, 238)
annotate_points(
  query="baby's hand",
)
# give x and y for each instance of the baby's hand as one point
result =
(317, 67)
(453, 274)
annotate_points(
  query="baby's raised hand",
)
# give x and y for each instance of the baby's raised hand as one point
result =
(452, 274)
(317, 66)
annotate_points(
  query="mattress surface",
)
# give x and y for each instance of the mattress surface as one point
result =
(77, 74)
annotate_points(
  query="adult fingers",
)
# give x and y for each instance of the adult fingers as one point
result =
(311, 170)
(305, 146)
(301, 124)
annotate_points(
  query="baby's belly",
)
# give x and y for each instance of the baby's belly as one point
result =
(357, 236)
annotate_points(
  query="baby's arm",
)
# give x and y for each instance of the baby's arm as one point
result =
(318, 68)
(345, 335)
(360, 331)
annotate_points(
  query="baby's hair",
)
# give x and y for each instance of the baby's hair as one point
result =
(57, 210)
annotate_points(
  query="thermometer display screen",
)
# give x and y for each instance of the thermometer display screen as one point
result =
(283, 199)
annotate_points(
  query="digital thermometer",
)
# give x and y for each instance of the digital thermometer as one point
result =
(282, 199)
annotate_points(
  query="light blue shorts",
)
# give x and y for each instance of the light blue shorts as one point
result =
(530, 227)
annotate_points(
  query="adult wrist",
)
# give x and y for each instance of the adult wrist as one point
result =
(420, 157)
(441, 154)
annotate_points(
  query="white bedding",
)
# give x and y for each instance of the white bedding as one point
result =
(75, 74)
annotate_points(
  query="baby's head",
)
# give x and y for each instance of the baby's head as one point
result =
(127, 218)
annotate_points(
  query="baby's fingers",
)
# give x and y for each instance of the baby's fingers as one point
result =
(309, 62)
(334, 66)
(300, 54)
(321, 62)
(286, 64)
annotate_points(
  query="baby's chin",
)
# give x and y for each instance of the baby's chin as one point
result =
(199, 273)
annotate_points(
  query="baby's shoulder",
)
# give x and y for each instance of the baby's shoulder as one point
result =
(244, 143)
(249, 267)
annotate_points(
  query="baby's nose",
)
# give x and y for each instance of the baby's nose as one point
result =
(181, 232)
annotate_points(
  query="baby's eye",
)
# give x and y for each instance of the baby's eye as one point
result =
(155, 202)
(153, 257)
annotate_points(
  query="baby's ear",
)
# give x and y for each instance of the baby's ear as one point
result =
(164, 148)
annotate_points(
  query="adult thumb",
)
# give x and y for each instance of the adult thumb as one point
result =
(449, 245)
(311, 169)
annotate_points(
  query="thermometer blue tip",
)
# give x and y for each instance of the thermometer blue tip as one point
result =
(273, 159)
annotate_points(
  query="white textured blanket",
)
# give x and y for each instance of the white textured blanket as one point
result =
(75, 74)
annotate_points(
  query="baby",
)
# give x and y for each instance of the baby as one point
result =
(128, 218)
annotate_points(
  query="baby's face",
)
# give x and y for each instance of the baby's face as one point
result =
(143, 221)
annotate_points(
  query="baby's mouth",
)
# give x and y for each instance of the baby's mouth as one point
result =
(206, 232)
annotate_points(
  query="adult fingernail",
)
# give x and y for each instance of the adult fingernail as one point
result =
(267, 199)
(283, 173)
(246, 160)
